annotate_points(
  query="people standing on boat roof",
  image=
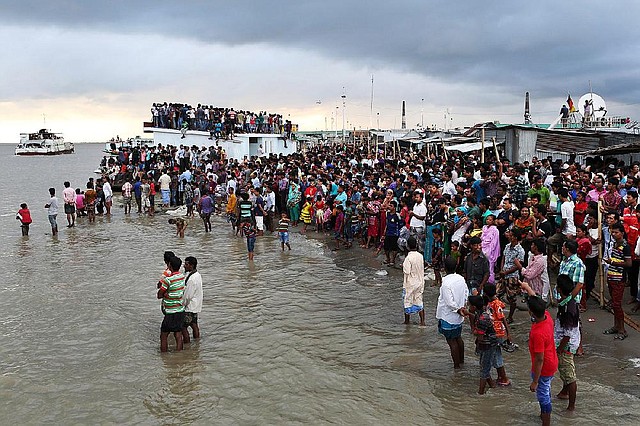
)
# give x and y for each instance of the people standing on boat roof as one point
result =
(588, 111)
(69, 197)
(24, 216)
(564, 113)
(53, 208)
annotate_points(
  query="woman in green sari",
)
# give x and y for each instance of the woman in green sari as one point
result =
(293, 202)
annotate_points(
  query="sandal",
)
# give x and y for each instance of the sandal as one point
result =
(611, 330)
(621, 336)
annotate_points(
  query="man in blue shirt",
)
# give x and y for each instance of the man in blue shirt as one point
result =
(341, 196)
(137, 192)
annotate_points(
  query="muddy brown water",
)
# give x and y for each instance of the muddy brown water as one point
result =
(302, 337)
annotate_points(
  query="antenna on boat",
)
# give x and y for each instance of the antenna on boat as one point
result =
(371, 106)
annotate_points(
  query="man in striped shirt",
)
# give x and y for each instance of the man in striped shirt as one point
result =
(171, 290)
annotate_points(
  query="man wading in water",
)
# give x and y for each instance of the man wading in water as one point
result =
(192, 299)
(170, 290)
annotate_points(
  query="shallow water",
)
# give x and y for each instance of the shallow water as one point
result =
(305, 336)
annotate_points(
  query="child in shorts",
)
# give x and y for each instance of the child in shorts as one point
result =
(283, 231)
(24, 216)
(495, 307)
(250, 233)
(486, 341)
(567, 339)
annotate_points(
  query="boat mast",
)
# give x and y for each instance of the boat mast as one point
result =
(371, 106)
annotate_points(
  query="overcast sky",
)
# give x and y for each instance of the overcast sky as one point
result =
(94, 67)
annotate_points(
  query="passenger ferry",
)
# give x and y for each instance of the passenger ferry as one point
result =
(44, 142)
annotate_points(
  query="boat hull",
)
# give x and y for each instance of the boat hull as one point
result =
(23, 153)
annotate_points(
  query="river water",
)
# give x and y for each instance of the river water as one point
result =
(300, 337)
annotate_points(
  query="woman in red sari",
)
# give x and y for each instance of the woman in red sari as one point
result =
(373, 220)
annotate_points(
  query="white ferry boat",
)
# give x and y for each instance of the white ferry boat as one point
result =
(44, 142)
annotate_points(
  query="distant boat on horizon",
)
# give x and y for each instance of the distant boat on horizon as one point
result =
(44, 142)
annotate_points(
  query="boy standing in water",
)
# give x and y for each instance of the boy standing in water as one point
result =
(486, 341)
(24, 216)
(53, 207)
(544, 359)
(171, 290)
(283, 231)
(250, 232)
(567, 338)
(495, 308)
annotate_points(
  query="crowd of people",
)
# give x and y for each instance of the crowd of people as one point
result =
(220, 122)
(496, 229)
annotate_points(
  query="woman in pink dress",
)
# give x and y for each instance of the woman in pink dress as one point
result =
(491, 244)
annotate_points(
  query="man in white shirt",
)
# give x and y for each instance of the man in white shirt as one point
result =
(165, 191)
(108, 195)
(451, 310)
(448, 187)
(52, 205)
(270, 208)
(191, 299)
(566, 210)
(418, 215)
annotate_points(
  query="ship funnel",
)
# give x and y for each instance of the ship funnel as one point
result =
(404, 116)
(527, 113)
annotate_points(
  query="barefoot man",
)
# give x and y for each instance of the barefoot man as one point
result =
(451, 310)
(192, 299)
(170, 290)
(413, 285)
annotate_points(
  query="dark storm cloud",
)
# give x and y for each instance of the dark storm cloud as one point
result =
(547, 46)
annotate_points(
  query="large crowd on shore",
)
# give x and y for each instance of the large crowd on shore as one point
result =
(219, 121)
(498, 228)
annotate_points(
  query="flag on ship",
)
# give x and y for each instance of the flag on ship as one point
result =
(572, 108)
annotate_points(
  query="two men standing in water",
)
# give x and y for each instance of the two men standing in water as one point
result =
(181, 295)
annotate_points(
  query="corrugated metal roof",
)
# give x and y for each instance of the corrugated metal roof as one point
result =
(620, 149)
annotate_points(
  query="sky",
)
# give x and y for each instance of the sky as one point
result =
(92, 69)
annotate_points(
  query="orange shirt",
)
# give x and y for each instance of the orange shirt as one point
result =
(496, 307)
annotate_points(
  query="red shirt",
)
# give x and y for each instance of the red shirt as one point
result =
(541, 341)
(631, 227)
(584, 248)
(579, 213)
(311, 192)
(25, 216)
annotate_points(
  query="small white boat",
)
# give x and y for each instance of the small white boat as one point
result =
(116, 145)
(44, 142)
